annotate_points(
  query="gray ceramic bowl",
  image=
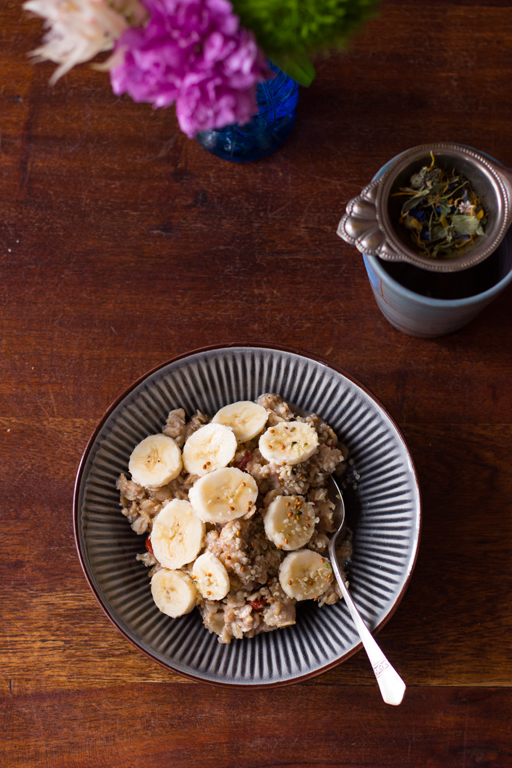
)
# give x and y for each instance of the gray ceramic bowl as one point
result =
(383, 511)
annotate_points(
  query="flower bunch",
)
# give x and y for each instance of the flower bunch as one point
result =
(193, 53)
(205, 56)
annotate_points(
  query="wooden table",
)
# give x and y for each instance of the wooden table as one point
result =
(122, 244)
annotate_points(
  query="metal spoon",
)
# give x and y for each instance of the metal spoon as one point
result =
(391, 685)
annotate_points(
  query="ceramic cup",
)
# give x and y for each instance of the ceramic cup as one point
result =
(433, 303)
(428, 316)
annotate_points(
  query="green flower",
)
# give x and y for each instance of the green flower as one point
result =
(290, 31)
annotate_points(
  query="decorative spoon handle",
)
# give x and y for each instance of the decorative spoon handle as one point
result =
(391, 685)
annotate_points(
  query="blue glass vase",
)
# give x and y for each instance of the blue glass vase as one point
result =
(277, 102)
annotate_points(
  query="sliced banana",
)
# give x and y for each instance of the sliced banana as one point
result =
(245, 418)
(210, 576)
(174, 592)
(209, 448)
(177, 535)
(223, 495)
(289, 522)
(305, 574)
(155, 461)
(289, 442)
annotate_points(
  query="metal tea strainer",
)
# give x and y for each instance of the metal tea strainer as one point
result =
(370, 220)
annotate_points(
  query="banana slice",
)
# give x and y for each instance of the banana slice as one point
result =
(223, 495)
(245, 418)
(289, 522)
(211, 577)
(209, 448)
(305, 574)
(289, 442)
(155, 461)
(174, 592)
(177, 535)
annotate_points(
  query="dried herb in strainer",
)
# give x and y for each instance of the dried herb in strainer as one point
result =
(442, 213)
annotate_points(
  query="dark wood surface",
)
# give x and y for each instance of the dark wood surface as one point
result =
(122, 244)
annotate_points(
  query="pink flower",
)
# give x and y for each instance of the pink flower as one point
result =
(195, 54)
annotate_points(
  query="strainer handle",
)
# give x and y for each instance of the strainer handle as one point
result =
(359, 226)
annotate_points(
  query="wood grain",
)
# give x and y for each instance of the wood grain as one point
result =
(312, 725)
(122, 244)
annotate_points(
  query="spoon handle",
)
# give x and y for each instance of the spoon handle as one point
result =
(391, 685)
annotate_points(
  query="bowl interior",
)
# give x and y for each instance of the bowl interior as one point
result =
(383, 509)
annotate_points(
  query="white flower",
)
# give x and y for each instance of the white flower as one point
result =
(80, 29)
(466, 207)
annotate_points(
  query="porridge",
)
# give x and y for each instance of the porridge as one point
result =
(236, 514)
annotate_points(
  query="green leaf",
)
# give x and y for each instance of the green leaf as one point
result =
(465, 225)
(297, 66)
(442, 233)
(437, 187)
(413, 201)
